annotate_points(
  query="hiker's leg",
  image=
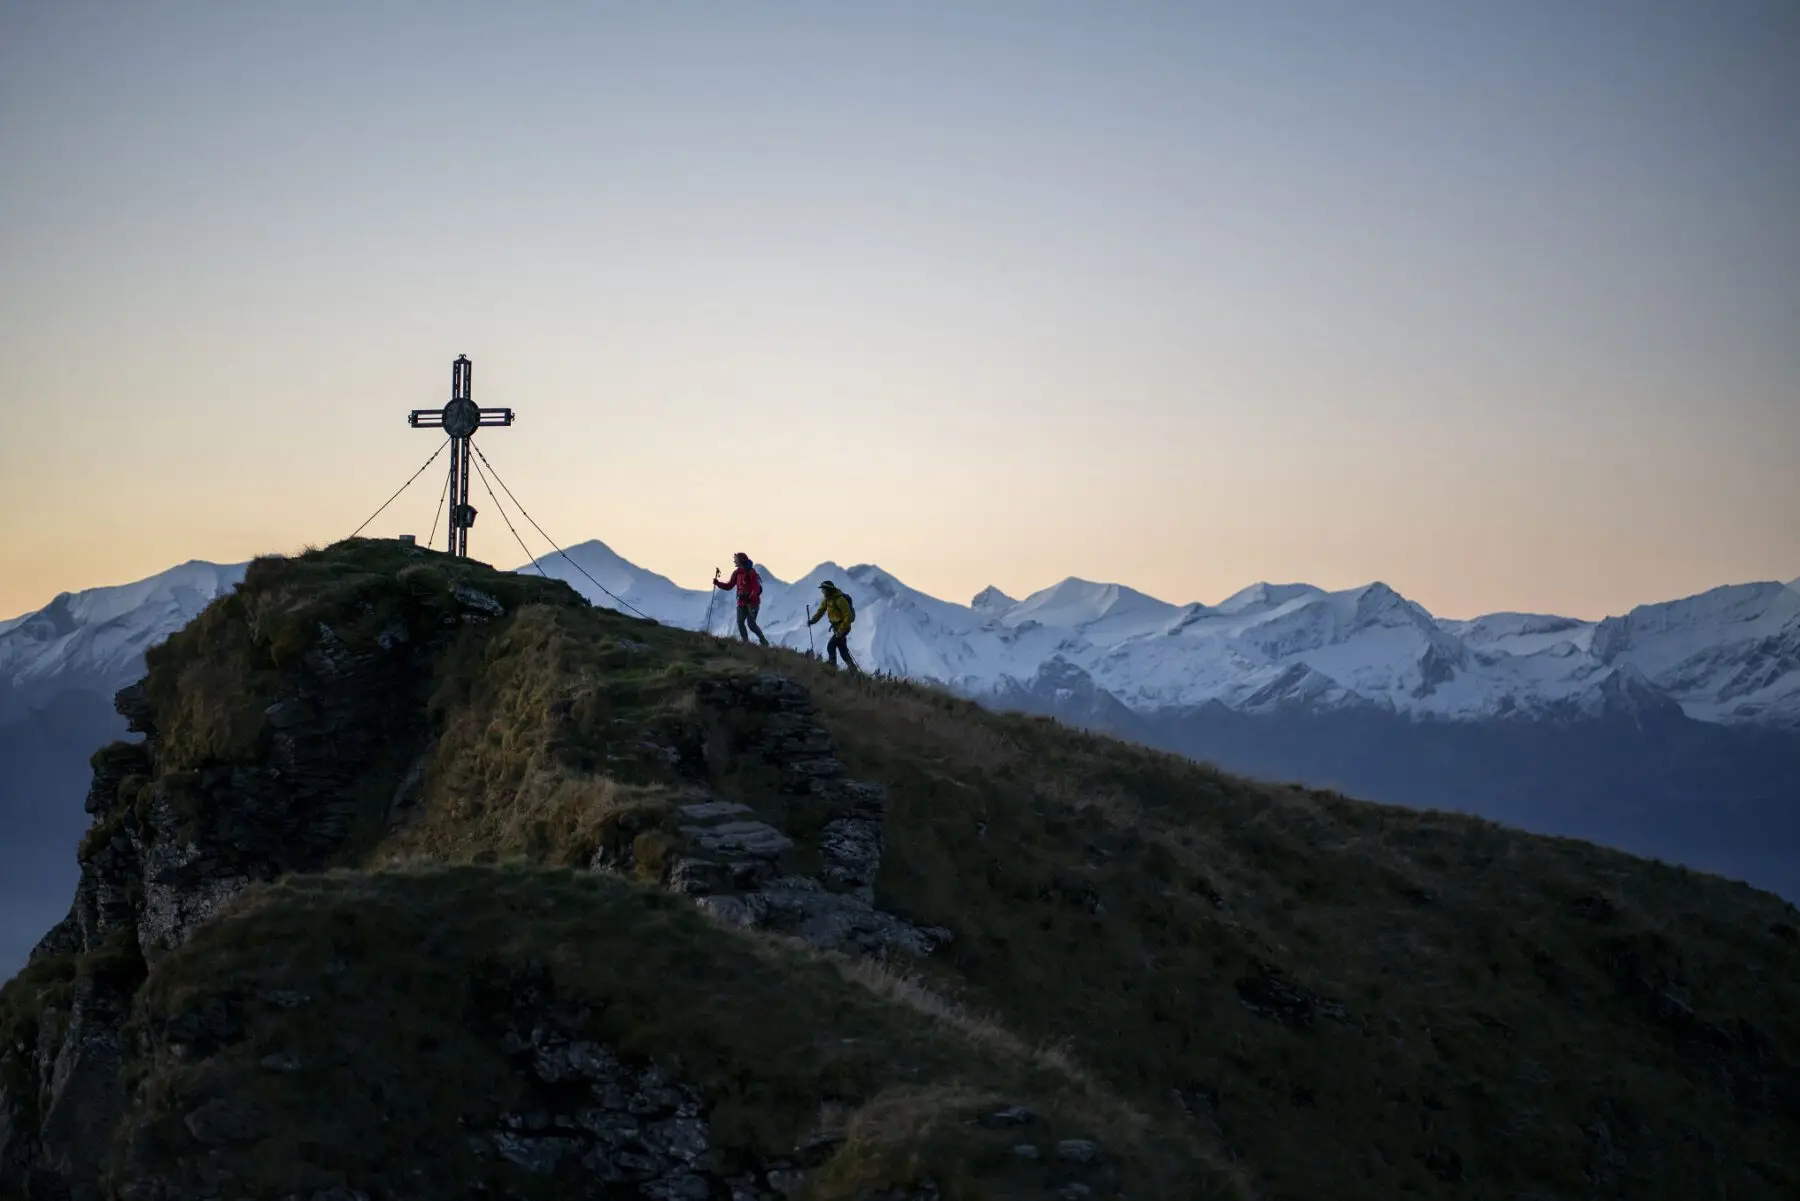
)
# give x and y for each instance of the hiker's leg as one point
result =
(831, 648)
(753, 611)
(743, 616)
(844, 641)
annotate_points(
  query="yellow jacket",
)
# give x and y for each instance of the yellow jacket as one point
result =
(838, 609)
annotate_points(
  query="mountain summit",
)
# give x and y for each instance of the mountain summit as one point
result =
(991, 600)
(427, 880)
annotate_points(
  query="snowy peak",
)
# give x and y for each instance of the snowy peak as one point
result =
(1729, 654)
(96, 639)
(599, 559)
(1764, 607)
(1105, 614)
(1259, 598)
(178, 586)
(1313, 620)
(992, 601)
(1378, 604)
(1520, 633)
(826, 572)
(611, 581)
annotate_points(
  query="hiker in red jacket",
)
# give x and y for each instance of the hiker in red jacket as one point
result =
(749, 590)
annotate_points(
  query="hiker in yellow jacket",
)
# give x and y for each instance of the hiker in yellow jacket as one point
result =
(836, 606)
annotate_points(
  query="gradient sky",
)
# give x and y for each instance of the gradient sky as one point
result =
(1499, 304)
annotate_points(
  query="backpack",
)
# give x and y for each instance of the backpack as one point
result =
(849, 605)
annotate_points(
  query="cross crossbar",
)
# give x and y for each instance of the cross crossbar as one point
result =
(431, 419)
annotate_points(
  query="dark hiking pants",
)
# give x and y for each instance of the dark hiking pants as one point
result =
(840, 645)
(747, 618)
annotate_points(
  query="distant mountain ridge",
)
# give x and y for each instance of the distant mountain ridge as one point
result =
(1728, 656)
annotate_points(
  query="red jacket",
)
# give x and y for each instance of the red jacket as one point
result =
(747, 583)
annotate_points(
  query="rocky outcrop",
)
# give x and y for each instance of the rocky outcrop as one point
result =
(600, 1125)
(61, 1091)
(583, 1119)
(732, 858)
(83, 1092)
(173, 843)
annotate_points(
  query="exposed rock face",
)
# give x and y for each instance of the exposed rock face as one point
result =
(731, 863)
(182, 843)
(205, 835)
(61, 1092)
(85, 1094)
(169, 847)
(603, 1125)
(585, 1122)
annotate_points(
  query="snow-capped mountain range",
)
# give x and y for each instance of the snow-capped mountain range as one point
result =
(1731, 655)
(1728, 656)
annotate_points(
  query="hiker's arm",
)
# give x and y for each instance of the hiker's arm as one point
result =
(726, 584)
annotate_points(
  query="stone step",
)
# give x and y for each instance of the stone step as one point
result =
(713, 811)
(851, 850)
(703, 877)
(750, 838)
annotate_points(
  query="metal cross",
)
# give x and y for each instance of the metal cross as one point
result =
(460, 419)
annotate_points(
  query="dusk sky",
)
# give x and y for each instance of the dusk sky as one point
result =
(1499, 304)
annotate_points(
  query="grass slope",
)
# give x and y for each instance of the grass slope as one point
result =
(373, 985)
(1361, 1001)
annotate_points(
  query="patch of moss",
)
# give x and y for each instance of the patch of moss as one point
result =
(117, 963)
(120, 757)
(44, 983)
(101, 833)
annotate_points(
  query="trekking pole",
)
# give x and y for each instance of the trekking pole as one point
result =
(711, 599)
(812, 650)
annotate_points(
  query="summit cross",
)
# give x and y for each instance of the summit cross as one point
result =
(460, 418)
